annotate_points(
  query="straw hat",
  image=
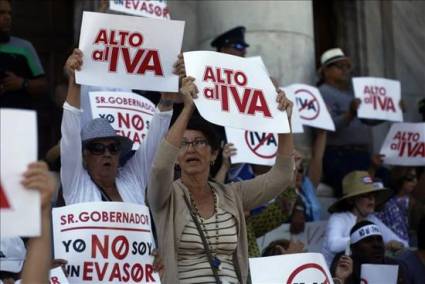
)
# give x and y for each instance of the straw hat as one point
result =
(357, 183)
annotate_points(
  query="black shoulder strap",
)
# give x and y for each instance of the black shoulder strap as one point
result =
(104, 195)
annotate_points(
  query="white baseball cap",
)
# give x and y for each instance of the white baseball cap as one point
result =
(12, 254)
(332, 55)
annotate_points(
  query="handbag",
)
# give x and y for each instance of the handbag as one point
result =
(204, 241)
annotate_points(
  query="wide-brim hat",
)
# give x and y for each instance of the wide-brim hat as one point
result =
(100, 128)
(235, 35)
(12, 254)
(358, 183)
(332, 55)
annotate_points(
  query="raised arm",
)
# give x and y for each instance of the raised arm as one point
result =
(265, 187)
(228, 151)
(163, 165)
(70, 144)
(39, 256)
(316, 165)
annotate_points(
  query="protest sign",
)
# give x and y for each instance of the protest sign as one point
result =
(145, 8)
(57, 276)
(260, 63)
(296, 123)
(234, 92)
(252, 147)
(105, 242)
(305, 268)
(129, 113)
(380, 98)
(378, 274)
(311, 106)
(129, 52)
(19, 207)
(405, 145)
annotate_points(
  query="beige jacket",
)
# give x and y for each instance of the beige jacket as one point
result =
(171, 214)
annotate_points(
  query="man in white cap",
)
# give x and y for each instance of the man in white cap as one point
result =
(347, 149)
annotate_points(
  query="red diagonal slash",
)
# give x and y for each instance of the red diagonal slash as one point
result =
(4, 203)
(262, 141)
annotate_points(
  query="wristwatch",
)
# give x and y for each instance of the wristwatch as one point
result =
(25, 84)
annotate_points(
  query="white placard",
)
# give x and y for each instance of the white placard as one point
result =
(311, 106)
(252, 147)
(57, 276)
(290, 269)
(405, 145)
(129, 52)
(129, 113)
(105, 242)
(19, 207)
(296, 123)
(379, 274)
(145, 8)
(380, 98)
(259, 61)
(234, 92)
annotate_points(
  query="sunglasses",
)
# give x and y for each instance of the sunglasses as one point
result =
(99, 148)
(238, 46)
(342, 66)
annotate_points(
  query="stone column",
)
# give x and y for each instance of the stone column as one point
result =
(281, 32)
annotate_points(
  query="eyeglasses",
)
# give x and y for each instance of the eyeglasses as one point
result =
(410, 177)
(196, 144)
(238, 46)
(99, 148)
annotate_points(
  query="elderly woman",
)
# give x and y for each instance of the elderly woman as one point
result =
(91, 159)
(200, 223)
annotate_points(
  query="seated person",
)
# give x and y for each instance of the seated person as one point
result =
(367, 246)
(360, 198)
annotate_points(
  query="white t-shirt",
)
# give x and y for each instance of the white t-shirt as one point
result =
(132, 178)
(338, 230)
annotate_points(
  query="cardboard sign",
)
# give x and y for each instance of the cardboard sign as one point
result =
(311, 106)
(405, 145)
(19, 207)
(379, 97)
(57, 276)
(129, 113)
(234, 92)
(378, 274)
(296, 123)
(105, 242)
(252, 147)
(145, 8)
(305, 268)
(129, 52)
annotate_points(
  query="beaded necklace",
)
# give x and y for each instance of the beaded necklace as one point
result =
(216, 261)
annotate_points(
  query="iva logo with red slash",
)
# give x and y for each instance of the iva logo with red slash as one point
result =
(231, 85)
(377, 96)
(126, 47)
(4, 202)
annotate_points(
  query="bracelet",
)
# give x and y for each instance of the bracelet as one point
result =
(166, 102)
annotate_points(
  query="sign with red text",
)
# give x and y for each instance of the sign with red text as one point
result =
(310, 105)
(378, 274)
(19, 207)
(129, 52)
(380, 98)
(128, 113)
(57, 276)
(105, 242)
(235, 92)
(296, 123)
(308, 268)
(145, 8)
(405, 145)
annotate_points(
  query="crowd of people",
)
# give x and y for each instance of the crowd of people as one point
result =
(207, 213)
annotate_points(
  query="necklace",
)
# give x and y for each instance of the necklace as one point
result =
(216, 263)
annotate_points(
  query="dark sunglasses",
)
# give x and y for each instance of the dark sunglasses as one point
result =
(341, 66)
(238, 46)
(99, 148)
